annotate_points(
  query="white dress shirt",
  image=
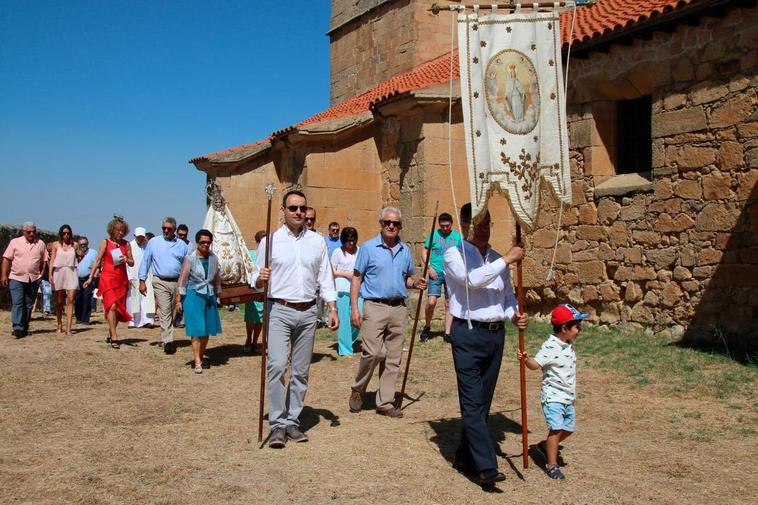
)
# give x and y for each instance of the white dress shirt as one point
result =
(490, 294)
(299, 266)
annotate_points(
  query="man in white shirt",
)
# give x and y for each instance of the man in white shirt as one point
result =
(477, 352)
(142, 307)
(299, 267)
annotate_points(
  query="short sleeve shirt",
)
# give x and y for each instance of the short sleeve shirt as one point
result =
(27, 259)
(558, 362)
(384, 270)
(439, 245)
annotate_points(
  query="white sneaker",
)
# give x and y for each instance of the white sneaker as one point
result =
(199, 369)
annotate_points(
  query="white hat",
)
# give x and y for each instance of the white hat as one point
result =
(139, 231)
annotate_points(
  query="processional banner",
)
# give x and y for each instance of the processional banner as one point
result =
(514, 110)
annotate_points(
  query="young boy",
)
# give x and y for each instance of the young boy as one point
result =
(557, 360)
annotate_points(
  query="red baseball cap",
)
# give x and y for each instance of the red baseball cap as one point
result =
(562, 314)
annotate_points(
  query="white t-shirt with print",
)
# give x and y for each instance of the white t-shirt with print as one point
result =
(558, 362)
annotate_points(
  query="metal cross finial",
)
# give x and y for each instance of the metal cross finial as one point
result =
(270, 190)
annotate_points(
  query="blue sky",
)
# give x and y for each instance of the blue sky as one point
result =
(102, 104)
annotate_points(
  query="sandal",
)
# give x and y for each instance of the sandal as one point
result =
(115, 344)
(554, 472)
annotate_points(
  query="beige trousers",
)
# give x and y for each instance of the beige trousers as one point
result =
(382, 332)
(165, 307)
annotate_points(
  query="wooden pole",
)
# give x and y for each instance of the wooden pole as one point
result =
(418, 308)
(264, 340)
(522, 367)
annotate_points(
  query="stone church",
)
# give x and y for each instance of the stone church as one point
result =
(663, 121)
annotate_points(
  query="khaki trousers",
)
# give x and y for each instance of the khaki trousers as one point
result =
(165, 307)
(383, 332)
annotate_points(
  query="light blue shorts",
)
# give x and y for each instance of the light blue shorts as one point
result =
(559, 416)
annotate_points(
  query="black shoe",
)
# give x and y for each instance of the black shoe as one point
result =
(491, 476)
(169, 348)
(425, 334)
(19, 333)
(447, 338)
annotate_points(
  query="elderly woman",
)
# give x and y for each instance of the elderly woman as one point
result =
(199, 285)
(343, 261)
(63, 277)
(115, 254)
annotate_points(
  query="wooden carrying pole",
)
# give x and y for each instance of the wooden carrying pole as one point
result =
(264, 340)
(437, 8)
(522, 367)
(418, 308)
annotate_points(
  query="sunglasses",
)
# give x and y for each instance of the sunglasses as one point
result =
(204, 242)
(167, 228)
(66, 233)
(388, 222)
(310, 219)
(295, 208)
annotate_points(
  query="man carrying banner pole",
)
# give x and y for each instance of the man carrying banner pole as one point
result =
(481, 300)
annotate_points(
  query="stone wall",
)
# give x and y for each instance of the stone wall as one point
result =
(676, 249)
(370, 45)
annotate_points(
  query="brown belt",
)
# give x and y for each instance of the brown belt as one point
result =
(294, 305)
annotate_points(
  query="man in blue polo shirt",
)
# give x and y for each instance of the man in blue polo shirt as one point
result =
(164, 255)
(383, 273)
(83, 300)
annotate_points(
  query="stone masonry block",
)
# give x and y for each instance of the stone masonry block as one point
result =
(679, 121)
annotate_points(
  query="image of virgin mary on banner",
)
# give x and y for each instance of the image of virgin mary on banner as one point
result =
(514, 110)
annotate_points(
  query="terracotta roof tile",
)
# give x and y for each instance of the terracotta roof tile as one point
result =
(593, 21)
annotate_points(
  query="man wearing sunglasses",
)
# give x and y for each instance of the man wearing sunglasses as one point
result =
(299, 267)
(23, 263)
(382, 274)
(163, 256)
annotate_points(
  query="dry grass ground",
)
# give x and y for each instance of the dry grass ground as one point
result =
(82, 423)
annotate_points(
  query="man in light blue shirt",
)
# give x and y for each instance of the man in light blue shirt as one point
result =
(83, 300)
(164, 255)
(383, 273)
(333, 241)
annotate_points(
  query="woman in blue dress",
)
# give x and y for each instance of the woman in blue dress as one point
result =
(199, 285)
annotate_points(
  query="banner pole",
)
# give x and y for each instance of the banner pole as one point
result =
(264, 340)
(418, 309)
(522, 368)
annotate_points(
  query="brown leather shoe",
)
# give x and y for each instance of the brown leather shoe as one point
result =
(390, 412)
(356, 401)
(295, 434)
(277, 439)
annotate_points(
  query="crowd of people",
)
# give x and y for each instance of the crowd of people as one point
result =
(314, 280)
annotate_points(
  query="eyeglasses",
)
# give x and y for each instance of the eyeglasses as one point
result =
(66, 233)
(167, 228)
(295, 208)
(388, 222)
(204, 242)
(83, 245)
(30, 232)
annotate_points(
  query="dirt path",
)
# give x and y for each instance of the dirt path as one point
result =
(82, 423)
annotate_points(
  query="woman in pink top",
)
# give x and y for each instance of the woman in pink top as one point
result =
(63, 276)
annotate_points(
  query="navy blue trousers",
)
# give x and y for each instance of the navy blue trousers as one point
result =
(477, 354)
(83, 300)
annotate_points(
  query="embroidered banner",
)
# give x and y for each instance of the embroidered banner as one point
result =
(514, 112)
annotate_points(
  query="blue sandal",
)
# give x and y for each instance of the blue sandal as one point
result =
(554, 472)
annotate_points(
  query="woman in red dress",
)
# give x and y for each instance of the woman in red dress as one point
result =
(115, 253)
